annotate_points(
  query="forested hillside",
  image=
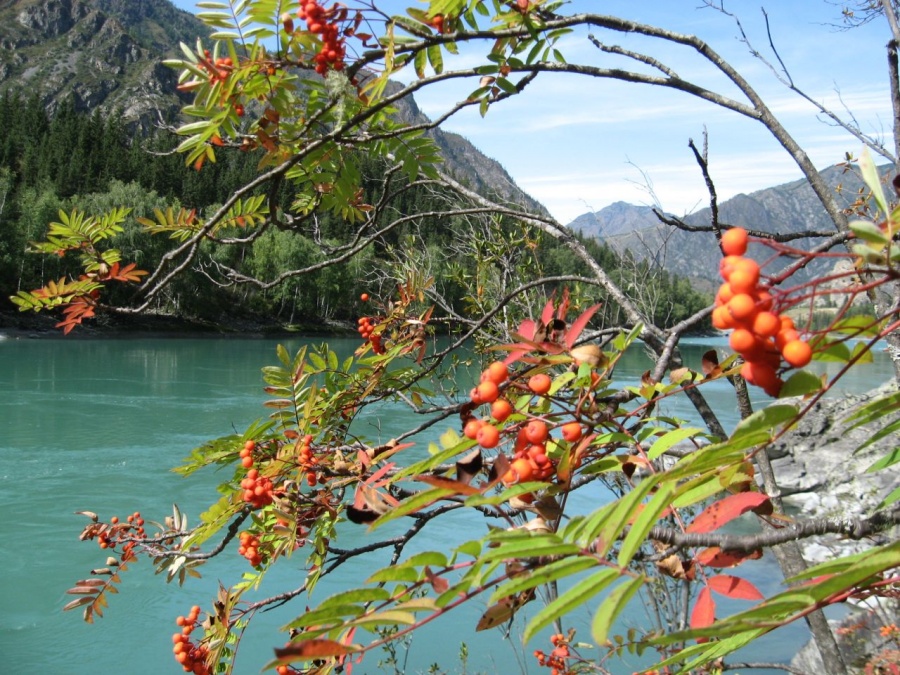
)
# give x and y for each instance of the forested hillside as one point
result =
(75, 160)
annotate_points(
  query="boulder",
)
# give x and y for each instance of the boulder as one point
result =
(822, 469)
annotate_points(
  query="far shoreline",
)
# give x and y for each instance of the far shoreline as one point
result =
(14, 326)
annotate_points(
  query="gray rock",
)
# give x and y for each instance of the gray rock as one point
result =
(859, 639)
(818, 465)
(822, 473)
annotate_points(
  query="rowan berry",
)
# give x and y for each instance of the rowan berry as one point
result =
(571, 431)
(797, 352)
(540, 383)
(734, 241)
(742, 307)
(488, 436)
(497, 372)
(536, 431)
(766, 324)
(742, 340)
(470, 430)
(501, 409)
(487, 391)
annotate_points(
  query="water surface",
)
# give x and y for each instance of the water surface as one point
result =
(98, 424)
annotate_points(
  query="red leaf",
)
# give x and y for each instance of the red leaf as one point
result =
(438, 583)
(127, 273)
(734, 587)
(547, 314)
(726, 510)
(527, 329)
(312, 649)
(373, 479)
(563, 308)
(579, 325)
(716, 557)
(704, 611)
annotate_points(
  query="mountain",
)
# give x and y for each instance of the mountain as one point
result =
(616, 219)
(790, 207)
(106, 55)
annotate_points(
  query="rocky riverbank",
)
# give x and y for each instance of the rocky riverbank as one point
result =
(822, 472)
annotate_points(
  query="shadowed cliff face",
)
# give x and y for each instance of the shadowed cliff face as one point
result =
(106, 55)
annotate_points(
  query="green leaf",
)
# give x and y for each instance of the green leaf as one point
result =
(558, 569)
(858, 326)
(800, 384)
(890, 499)
(389, 617)
(419, 62)
(431, 558)
(436, 58)
(528, 545)
(612, 607)
(862, 353)
(394, 573)
(873, 181)
(645, 521)
(569, 601)
(887, 430)
(506, 494)
(710, 651)
(333, 614)
(765, 420)
(828, 351)
(356, 595)
(603, 537)
(506, 85)
(697, 490)
(868, 231)
(665, 442)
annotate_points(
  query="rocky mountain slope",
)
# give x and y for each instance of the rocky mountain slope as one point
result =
(106, 55)
(790, 207)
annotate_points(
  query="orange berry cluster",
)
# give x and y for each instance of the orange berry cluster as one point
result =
(191, 657)
(889, 631)
(258, 490)
(246, 454)
(530, 461)
(555, 660)
(761, 336)
(110, 537)
(488, 392)
(249, 548)
(366, 330)
(307, 460)
(284, 670)
(217, 70)
(321, 22)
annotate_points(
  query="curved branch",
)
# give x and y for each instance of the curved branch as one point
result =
(852, 528)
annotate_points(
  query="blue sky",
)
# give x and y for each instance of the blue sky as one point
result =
(578, 144)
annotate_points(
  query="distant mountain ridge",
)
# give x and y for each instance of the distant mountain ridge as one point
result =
(790, 207)
(106, 55)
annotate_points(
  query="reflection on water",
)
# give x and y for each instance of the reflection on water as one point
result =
(99, 423)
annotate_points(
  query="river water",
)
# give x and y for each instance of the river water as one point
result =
(98, 425)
